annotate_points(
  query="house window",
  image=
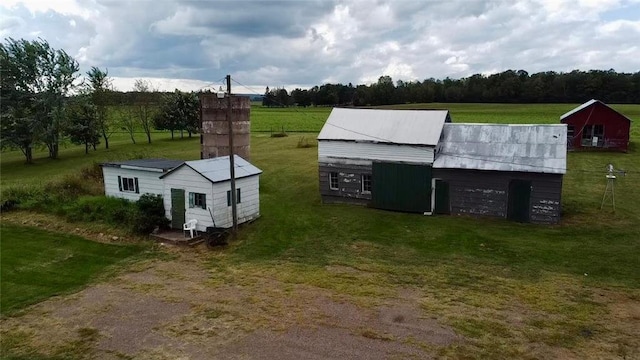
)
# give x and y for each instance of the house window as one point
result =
(238, 199)
(366, 183)
(128, 184)
(333, 180)
(571, 130)
(197, 200)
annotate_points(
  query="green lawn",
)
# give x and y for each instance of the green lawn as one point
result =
(37, 264)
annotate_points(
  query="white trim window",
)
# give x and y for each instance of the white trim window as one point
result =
(238, 197)
(365, 180)
(197, 200)
(333, 180)
(128, 184)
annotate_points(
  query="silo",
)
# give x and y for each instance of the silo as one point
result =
(214, 138)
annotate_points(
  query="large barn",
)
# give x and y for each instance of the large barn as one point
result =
(378, 157)
(596, 126)
(507, 171)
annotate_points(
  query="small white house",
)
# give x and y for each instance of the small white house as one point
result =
(131, 178)
(201, 190)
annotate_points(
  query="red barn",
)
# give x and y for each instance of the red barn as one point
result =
(596, 126)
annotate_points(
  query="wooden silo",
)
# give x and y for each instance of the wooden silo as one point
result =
(214, 138)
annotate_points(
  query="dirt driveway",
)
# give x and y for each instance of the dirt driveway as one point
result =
(180, 308)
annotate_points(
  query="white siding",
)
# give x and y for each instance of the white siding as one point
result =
(148, 182)
(375, 151)
(249, 207)
(216, 198)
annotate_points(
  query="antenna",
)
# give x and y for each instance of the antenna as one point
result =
(609, 191)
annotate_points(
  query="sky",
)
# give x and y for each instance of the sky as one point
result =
(191, 45)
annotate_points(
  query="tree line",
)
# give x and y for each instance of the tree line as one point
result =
(43, 104)
(506, 87)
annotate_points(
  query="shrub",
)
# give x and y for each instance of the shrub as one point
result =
(150, 214)
(304, 142)
(114, 211)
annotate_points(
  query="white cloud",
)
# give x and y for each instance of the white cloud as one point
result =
(190, 44)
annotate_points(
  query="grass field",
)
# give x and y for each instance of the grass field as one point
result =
(37, 264)
(511, 289)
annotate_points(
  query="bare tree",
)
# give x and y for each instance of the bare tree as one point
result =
(128, 120)
(144, 105)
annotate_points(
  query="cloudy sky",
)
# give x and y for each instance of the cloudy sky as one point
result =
(193, 44)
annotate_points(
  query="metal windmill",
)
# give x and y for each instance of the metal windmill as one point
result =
(609, 191)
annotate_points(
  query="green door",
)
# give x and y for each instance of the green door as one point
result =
(442, 197)
(177, 208)
(401, 187)
(519, 200)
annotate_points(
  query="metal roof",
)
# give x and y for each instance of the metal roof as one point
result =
(217, 169)
(415, 127)
(586, 105)
(501, 147)
(161, 164)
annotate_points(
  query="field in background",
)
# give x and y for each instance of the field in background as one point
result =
(274, 120)
(511, 289)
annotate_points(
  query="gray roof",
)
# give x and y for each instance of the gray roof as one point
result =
(217, 169)
(501, 147)
(415, 127)
(158, 164)
(586, 105)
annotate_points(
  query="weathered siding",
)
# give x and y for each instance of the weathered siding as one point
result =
(349, 183)
(486, 193)
(216, 198)
(375, 151)
(148, 182)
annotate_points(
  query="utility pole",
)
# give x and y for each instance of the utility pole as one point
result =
(234, 209)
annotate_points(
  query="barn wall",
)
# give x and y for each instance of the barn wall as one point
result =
(349, 183)
(616, 127)
(375, 151)
(485, 193)
(216, 198)
(148, 182)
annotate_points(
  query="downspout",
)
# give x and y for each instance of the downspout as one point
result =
(433, 197)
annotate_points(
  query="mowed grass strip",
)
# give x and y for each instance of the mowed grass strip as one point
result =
(37, 264)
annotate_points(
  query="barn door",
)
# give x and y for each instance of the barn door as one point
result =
(442, 197)
(401, 187)
(177, 208)
(519, 200)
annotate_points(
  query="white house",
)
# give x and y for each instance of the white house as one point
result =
(379, 157)
(132, 178)
(201, 190)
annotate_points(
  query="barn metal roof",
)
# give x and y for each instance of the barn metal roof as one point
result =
(217, 169)
(586, 105)
(142, 164)
(501, 147)
(415, 127)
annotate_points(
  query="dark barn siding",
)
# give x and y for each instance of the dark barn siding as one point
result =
(485, 193)
(349, 183)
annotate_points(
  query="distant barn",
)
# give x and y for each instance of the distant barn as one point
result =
(596, 126)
